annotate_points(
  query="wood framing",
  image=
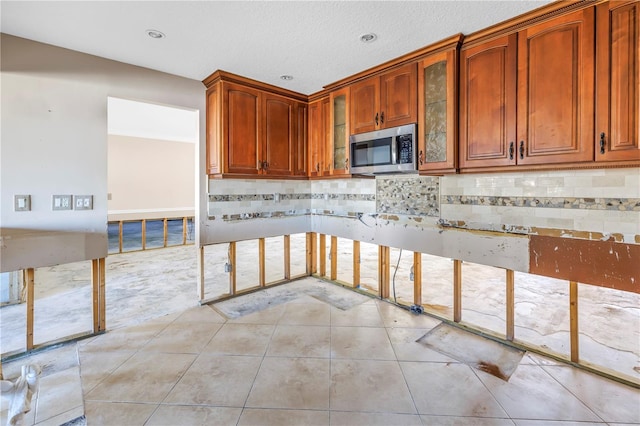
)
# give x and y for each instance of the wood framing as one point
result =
(510, 305)
(383, 271)
(165, 231)
(573, 321)
(457, 290)
(323, 255)
(95, 292)
(232, 265)
(201, 270)
(308, 246)
(334, 257)
(102, 294)
(417, 278)
(185, 225)
(144, 234)
(287, 257)
(314, 253)
(120, 226)
(356, 263)
(29, 277)
(261, 254)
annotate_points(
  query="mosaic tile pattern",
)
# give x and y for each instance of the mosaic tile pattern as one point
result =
(408, 195)
(621, 204)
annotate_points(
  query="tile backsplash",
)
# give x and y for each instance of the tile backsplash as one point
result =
(605, 201)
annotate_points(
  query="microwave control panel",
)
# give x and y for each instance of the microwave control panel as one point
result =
(405, 149)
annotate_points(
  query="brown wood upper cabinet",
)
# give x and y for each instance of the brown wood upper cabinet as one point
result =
(318, 137)
(437, 112)
(339, 132)
(255, 132)
(386, 100)
(545, 72)
(617, 85)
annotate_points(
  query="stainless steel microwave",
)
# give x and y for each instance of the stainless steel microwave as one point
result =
(391, 150)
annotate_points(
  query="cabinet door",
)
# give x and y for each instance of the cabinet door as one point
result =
(437, 112)
(327, 144)
(300, 139)
(242, 128)
(555, 90)
(278, 134)
(365, 100)
(398, 97)
(617, 82)
(213, 131)
(316, 138)
(488, 104)
(340, 131)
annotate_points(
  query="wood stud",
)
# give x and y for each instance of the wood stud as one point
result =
(417, 278)
(457, 290)
(120, 226)
(510, 302)
(232, 272)
(102, 294)
(287, 257)
(165, 231)
(95, 291)
(323, 255)
(573, 321)
(383, 271)
(356, 263)
(29, 275)
(144, 234)
(201, 269)
(334, 258)
(261, 255)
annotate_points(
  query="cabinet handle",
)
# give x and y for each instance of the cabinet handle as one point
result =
(318, 167)
(376, 118)
(521, 150)
(511, 150)
(260, 164)
(346, 164)
(421, 158)
(602, 143)
(266, 165)
(382, 117)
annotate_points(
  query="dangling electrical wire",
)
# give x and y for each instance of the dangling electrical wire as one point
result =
(394, 276)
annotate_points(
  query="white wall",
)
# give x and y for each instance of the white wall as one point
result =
(54, 130)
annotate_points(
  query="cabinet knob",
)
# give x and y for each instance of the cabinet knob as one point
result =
(382, 117)
(346, 164)
(511, 150)
(521, 150)
(376, 118)
(602, 142)
(318, 167)
(421, 158)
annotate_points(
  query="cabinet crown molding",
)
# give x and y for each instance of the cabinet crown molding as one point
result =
(228, 77)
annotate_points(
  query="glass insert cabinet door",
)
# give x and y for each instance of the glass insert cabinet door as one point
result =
(436, 112)
(340, 131)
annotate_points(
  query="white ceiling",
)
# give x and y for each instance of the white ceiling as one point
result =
(317, 42)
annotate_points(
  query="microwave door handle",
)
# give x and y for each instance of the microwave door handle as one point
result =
(394, 150)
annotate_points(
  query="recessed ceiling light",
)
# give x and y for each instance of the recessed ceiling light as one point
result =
(368, 38)
(155, 34)
(286, 77)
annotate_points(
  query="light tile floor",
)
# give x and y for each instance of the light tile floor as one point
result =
(306, 362)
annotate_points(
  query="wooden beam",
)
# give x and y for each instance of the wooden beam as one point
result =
(334, 257)
(143, 226)
(417, 278)
(356, 263)
(383, 272)
(95, 292)
(287, 257)
(165, 230)
(573, 321)
(308, 247)
(510, 302)
(323, 255)
(185, 225)
(314, 253)
(201, 270)
(120, 226)
(29, 281)
(261, 255)
(457, 290)
(102, 294)
(232, 272)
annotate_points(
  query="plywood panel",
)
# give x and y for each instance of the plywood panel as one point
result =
(603, 263)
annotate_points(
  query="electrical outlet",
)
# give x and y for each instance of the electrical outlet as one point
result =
(61, 202)
(83, 202)
(22, 203)
(227, 267)
(276, 197)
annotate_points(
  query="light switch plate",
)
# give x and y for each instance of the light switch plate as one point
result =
(61, 202)
(83, 202)
(22, 203)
